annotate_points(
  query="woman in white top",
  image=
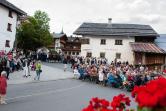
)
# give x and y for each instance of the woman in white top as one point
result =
(76, 73)
(101, 75)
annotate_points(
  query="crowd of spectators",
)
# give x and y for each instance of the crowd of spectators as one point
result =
(16, 61)
(115, 74)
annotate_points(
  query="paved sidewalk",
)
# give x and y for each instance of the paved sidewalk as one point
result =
(48, 73)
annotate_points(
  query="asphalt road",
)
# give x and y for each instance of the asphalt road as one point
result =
(60, 95)
(58, 65)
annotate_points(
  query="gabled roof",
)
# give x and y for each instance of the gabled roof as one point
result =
(106, 29)
(12, 7)
(72, 39)
(147, 47)
(58, 35)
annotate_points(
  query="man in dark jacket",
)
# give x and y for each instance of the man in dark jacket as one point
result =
(65, 63)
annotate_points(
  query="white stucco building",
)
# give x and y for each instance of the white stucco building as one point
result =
(121, 42)
(109, 49)
(9, 16)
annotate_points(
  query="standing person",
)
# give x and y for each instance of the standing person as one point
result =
(28, 64)
(76, 73)
(101, 75)
(81, 71)
(25, 67)
(3, 87)
(65, 64)
(38, 70)
(7, 68)
(1, 68)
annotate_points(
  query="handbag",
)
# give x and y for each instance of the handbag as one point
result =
(40, 70)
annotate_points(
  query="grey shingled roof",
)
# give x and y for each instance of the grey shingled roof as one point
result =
(12, 7)
(113, 29)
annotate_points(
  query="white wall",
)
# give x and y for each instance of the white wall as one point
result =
(110, 48)
(4, 34)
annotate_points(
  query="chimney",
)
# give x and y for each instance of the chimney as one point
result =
(109, 20)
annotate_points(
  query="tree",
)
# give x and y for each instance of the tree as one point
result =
(34, 32)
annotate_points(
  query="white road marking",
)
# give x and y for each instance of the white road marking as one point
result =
(43, 93)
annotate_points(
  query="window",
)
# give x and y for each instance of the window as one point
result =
(89, 54)
(103, 42)
(85, 41)
(102, 55)
(9, 27)
(77, 53)
(73, 53)
(7, 44)
(77, 40)
(57, 45)
(69, 53)
(118, 55)
(118, 42)
(10, 14)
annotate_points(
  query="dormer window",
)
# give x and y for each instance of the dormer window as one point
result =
(10, 14)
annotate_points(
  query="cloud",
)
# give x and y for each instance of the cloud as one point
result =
(69, 14)
(147, 19)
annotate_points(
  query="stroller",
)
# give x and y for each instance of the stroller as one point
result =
(114, 82)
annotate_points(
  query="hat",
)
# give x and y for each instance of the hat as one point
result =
(3, 73)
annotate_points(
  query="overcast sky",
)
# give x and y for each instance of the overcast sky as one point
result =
(70, 14)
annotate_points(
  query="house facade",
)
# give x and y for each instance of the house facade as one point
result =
(121, 42)
(9, 16)
(59, 40)
(102, 46)
(70, 46)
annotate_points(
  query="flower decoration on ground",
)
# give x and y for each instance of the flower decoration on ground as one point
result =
(151, 96)
(118, 104)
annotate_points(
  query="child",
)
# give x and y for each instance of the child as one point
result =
(76, 73)
(101, 76)
(3, 87)
(32, 65)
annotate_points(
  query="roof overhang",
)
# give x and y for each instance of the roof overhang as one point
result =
(147, 48)
(12, 7)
